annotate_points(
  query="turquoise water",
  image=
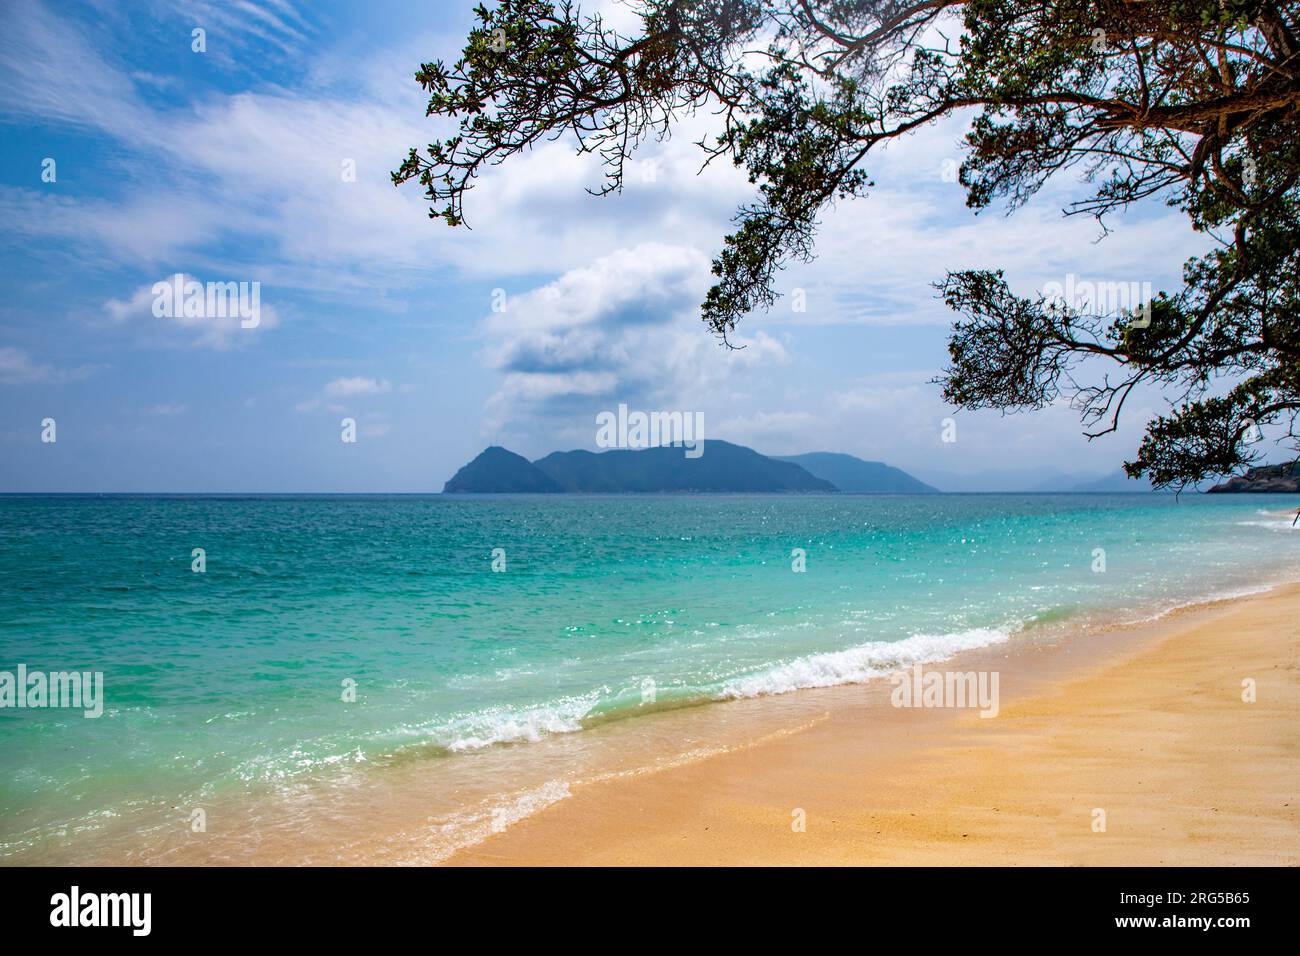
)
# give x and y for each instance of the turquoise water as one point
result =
(231, 681)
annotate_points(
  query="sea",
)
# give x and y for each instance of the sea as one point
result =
(279, 670)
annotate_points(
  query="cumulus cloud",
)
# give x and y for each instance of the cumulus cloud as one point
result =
(574, 323)
(210, 315)
(624, 328)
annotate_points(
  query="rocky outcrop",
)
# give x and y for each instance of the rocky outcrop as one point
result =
(1266, 478)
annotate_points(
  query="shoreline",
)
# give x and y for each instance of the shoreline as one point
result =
(1141, 721)
(717, 781)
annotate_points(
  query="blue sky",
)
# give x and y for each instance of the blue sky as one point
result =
(227, 165)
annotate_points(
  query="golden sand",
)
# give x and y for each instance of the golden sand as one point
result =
(1145, 725)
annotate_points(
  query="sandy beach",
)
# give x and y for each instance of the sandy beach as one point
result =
(1131, 747)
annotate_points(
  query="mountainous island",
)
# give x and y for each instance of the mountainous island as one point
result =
(723, 467)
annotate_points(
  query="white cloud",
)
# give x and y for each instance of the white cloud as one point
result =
(263, 169)
(773, 433)
(347, 387)
(624, 328)
(333, 394)
(899, 418)
(274, 22)
(19, 368)
(215, 328)
(879, 256)
(50, 69)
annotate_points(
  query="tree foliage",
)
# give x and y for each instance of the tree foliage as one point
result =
(1195, 103)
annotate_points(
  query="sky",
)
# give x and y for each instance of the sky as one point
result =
(128, 158)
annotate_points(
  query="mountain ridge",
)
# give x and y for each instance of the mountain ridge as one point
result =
(722, 467)
(854, 475)
(726, 467)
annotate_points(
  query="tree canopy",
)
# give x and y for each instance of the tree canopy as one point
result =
(1194, 103)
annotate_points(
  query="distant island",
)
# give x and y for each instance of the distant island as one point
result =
(1263, 479)
(723, 467)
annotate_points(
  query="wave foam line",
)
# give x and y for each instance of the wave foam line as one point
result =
(859, 664)
(472, 827)
(507, 724)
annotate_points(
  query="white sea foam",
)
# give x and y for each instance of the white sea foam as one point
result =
(500, 725)
(1275, 524)
(861, 663)
(1230, 594)
(507, 724)
(475, 825)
